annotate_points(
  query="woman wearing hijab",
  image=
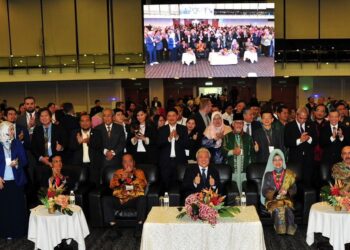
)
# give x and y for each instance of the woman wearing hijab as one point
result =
(12, 180)
(213, 137)
(277, 191)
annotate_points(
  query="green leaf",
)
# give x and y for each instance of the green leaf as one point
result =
(181, 215)
(225, 213)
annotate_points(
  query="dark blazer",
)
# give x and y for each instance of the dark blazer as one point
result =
(303, 150)
(165, 146)
(259, 136)
(193, 145)
(191, 172)
(95, 110)
(17, 152)
(151, 148)
(26, 137)
(117, 140)
(332, 150)
(69, 123)
(38, 142)
(22, 120)
(95, 147)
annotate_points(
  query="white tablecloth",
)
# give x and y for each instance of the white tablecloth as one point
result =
(332, 224)
(48, 230)
(253, 57)
(188, 58)
(163, 231)
(216, 58)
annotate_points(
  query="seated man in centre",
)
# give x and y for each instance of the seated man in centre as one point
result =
(201, 176)
(128, 185)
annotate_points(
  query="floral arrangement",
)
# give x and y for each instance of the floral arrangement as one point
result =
(53, 199)
(207, 206)
(336, 197)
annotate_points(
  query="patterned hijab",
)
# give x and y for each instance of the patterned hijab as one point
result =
(270, 167)
(5, 137)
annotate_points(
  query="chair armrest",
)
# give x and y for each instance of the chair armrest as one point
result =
(310, 197)
(251, 192)
(175, 195)
(231, 191)
(152, 196)
(95, 206)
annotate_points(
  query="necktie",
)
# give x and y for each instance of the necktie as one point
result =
(109, 130)
(46, 139)
(334, 130)
(301, 129)
(204, 176)
(248, 129)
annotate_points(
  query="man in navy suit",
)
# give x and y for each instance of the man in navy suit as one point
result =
(151, 48)
(172, 141)
(201, 176)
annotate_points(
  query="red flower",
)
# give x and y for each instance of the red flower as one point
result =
(51, 194)
(215, 200)
(335, 191)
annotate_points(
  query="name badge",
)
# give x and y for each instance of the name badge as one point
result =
(241, 151)
(129, 187)
(271, 148)
(187, 152)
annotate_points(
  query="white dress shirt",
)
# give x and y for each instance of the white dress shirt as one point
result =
(172, 151)
(86, 157)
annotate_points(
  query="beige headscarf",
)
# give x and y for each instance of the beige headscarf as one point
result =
(211, 131)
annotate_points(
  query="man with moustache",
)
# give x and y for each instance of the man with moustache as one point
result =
(341, 170)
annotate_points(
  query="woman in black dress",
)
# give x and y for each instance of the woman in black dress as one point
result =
(194, 141)
(13, 219)
(143, 139)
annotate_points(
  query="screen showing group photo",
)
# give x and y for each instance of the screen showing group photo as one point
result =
(209, 40)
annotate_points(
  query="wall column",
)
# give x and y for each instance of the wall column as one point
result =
(156, 88)
(263, 89)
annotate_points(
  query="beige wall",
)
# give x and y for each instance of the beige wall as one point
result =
(92, 26)
(128, 26)
(25, 27)
(4, 44)
(59, 27)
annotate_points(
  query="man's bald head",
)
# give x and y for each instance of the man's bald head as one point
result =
(345, 155)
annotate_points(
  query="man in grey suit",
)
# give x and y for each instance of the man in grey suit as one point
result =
(113, 140)
(30, 118)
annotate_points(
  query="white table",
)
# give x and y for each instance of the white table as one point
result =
(332, 224)
(48, 230)
(215, 58)
(163, 231)
(252, 56)
(188, 58)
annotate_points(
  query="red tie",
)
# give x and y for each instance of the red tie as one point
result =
(58, 181)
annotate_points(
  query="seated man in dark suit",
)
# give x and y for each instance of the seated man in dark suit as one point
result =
(86, 147)
(202, 176)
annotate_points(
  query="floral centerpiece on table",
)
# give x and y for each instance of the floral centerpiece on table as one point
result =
(207, 206)
(335, 197)
(53, 199)
(225, 52)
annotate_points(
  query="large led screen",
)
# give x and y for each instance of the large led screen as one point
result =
(209, 40)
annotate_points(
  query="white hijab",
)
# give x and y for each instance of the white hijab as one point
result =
(5, 138)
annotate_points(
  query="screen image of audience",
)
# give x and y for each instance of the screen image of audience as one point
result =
(231, 131)
(163, 44)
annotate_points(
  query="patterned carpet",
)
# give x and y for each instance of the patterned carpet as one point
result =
(263, 68)
(105, 239)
